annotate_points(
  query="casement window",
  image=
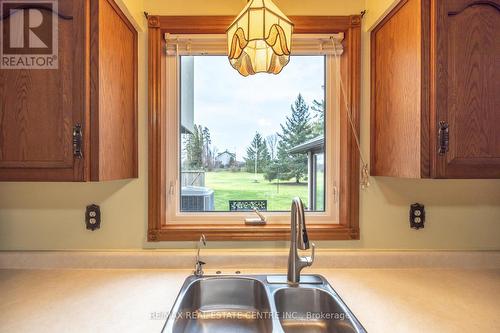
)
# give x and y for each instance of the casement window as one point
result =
(222, 144)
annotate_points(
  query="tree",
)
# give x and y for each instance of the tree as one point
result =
(319, 108)
(207, 152)
(213, 159)
(272, 171)
(194, 149)
(296, 130)
(257, 155)
(198, 152)
(319, 117)
(272, 143)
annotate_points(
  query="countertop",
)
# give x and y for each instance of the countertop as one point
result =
(132, 300)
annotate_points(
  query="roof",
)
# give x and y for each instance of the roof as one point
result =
(316, 144)
(226, 152)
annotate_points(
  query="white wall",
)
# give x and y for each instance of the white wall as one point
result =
(461, 214)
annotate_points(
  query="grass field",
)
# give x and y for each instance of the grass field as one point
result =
(229, 185)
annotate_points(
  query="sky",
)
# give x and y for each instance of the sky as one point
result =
(234, 107)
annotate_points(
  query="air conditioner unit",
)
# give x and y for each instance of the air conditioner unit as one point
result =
(197, 199)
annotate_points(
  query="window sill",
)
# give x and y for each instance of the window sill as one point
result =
(224, 232)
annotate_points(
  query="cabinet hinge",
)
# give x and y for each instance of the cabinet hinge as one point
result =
(443, 137)
(77, 141)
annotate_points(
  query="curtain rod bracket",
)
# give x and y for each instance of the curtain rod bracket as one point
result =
(363, 12)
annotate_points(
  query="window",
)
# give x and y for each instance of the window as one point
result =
(222, 144)
(246, 141)
(250, 142)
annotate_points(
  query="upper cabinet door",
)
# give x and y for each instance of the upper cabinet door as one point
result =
(468, 88)
(39, 107)
(113, 92)
(398, 125)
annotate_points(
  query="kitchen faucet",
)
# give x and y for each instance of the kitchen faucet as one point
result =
(298, 240)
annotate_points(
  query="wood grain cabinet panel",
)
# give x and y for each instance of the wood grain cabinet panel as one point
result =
(397, 97)
(468, 87)
(450, 57)
(39, 107)
(94, 86)
(114, 93)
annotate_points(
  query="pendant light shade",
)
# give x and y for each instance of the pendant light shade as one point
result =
(259, 39)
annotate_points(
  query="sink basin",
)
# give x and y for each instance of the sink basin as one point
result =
(223, 304)
(260, 304)
(311, 310)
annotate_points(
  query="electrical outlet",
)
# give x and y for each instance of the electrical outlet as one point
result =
(93, 217)
(417, 216)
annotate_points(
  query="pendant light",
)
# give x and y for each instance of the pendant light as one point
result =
(259, 39)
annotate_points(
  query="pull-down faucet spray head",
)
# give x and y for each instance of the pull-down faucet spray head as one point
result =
(298, 216)
(298, 240)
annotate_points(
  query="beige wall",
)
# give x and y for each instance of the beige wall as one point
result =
(376, 10)
(135, 9)
(233, 7)
(461, 214)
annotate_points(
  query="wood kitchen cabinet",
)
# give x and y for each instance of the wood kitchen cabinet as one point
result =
(435, 90)
(77, 122)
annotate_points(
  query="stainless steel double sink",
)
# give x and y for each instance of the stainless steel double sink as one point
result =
(259, 304)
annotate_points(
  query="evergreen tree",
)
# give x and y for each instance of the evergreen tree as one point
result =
(194, 149)
(257, 152)
(319, 108)
(198, 152)
(272, 171)
(207, 152)
(296, 130)
(319, 117)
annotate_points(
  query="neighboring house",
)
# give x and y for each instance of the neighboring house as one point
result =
(225, 159)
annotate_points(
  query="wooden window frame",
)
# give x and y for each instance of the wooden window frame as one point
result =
(347, 227)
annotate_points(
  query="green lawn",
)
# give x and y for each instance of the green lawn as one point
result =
(229, 185)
